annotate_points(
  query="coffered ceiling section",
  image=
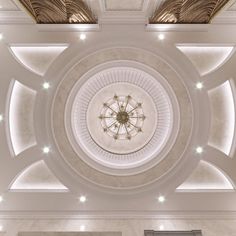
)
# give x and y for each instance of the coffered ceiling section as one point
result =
(123, 5)
(187, 11)
(37, 177)
(59, 11)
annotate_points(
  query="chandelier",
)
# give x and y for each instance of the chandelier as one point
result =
(122, 117)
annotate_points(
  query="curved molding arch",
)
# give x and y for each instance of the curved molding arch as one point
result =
(21, 117)
(207, 59)
(206, 177)
(37, 177)
(37, 58)
(222, 117)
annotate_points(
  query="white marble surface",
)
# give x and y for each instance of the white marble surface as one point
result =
(128, 227)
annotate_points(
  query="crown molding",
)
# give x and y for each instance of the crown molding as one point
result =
(14, 17)
(117, 215)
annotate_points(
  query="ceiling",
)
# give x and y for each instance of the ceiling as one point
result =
(54, 82)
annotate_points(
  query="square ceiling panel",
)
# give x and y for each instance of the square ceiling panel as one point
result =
(124, 5)
(8, 5)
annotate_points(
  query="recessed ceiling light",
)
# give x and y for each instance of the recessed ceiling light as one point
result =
(161, 198)
(82, 36)
(1, 198)
(46, 149)
(199, 85)
(161, 36)
(1, 228)
(82, 227)
(199, 150)
(1, 117)
(82, 199)
(0, 7)
(1, 36)
(46, 85)
(161, 227)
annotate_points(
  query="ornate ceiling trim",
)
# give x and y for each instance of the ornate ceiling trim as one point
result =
(108, 180)
(187, 11)
(59, 11)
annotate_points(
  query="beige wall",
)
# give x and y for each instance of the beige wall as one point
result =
(128, 227)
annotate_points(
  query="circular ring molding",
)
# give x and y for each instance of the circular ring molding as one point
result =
(77, 128)
(125, 153)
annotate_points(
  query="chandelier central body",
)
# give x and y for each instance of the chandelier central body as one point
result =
(122, 117)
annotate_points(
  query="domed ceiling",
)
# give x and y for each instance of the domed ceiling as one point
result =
(119, 114)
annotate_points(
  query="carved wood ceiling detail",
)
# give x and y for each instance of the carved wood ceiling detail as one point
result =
(187, 11)
(59, 11)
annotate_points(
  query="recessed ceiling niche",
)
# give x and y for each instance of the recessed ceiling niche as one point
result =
(187, 11)
(21, 117)
(206, 177)
(37, 177)
(222, 117)
(37, 58)
(206, 59)
(59, 12)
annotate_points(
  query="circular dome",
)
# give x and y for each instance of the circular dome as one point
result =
(102, 155)
(121, 117)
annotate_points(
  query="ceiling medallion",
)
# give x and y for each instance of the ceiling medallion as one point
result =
(122, 117)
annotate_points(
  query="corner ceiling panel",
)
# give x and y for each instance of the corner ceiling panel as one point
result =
(37, 177)
(206, 59)
(187, 11)
(59, 11)
(37, 58)
(222, 117)
(206, 177)
(21, 112)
